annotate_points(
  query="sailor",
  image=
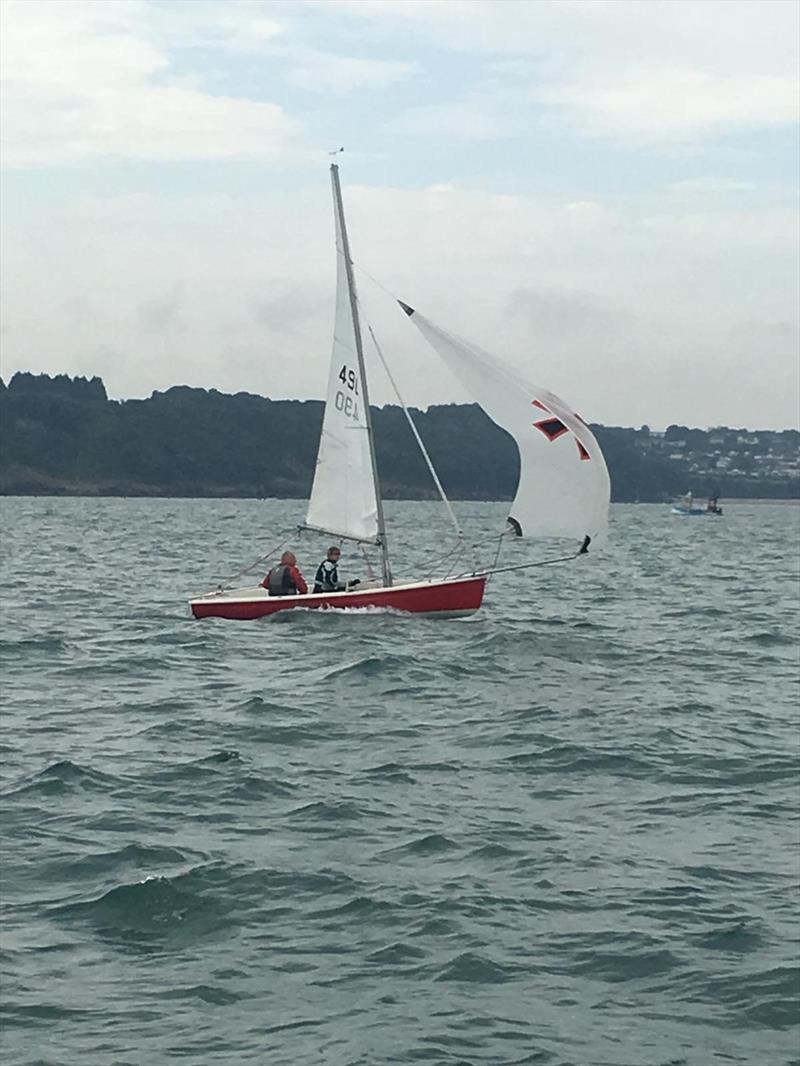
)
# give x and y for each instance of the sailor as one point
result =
(285, 579)
(327, 576)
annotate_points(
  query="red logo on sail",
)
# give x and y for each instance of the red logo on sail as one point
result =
(553, 428)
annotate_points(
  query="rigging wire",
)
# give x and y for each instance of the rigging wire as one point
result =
(417, 438)
(442, 559)
(227, 583)
(497, 553)
(459, 532)
(375, 281)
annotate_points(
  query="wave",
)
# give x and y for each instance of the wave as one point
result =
(319, 810)
(615, 957)
(211, 994)
(430, 844)
(729, 876)
(260, 727)
(772, 638)
(756, 997)
(205, 767)
(205, 900)
(257, 705)
(132, 856)
(435, 927)
(247, 887)
(282, 734)
(391, 772)
(254, 787)
(152, 911)
(219, 758)
(140, 665)
(739, 939)
(475, 968)
(444, 766)
(63, 778)
(23, 1015)
(568, 758)
(510, 641)
(368, 666)
(494, 851)
(397, 954)
(362, 908)
(44, 644)
(733, 771)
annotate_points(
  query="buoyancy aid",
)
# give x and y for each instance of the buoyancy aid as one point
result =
(280, 581)
(327, 577)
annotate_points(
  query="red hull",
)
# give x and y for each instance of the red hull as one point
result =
(460, 596)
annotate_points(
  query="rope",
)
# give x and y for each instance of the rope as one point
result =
(543, 562)
(235, 577)
(370, 571)
(496, 555)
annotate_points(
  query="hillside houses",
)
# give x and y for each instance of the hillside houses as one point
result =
(755, 455)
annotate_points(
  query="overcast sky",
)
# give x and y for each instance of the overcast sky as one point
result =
(605, 194)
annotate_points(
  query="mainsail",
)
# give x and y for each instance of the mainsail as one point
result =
(564, 488)
(343, 497)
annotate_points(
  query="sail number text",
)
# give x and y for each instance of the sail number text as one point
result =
(348, 378)
(348, 403)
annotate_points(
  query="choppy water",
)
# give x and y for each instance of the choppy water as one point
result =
(562, 832)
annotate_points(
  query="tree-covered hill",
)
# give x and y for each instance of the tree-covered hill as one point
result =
(62, 435)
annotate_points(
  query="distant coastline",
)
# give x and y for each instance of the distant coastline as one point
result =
(62, 436)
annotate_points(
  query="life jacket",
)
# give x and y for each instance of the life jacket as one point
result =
(327, 577)
(280, 581)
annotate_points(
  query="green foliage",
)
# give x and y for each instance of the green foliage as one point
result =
(63, 435)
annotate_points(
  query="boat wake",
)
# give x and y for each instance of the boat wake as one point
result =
(295, 614)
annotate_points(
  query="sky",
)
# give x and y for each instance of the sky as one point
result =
(603, 194)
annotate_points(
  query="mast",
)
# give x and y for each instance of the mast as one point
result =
(351, 289)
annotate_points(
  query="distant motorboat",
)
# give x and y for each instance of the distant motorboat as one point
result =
(686, 506)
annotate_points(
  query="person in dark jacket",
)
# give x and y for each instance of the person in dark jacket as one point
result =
(327, 576)
(285, 579)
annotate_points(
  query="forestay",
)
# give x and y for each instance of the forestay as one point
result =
(343, 498)
(564, 488)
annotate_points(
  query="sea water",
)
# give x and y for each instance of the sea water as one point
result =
(563, 831)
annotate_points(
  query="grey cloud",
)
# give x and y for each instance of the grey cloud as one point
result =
(565, 317)
(159, 314)
(286, 307)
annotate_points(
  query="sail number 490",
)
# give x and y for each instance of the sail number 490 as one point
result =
(348, 378)
(348, 403)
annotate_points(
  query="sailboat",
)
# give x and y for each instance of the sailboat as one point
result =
(563, 490)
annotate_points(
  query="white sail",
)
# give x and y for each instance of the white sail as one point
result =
(564, 488)
(343, 500)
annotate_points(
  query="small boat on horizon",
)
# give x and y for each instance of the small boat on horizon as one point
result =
(563, 490)
(686, 506)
